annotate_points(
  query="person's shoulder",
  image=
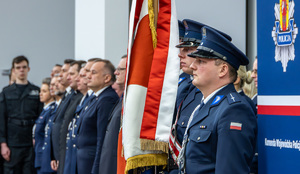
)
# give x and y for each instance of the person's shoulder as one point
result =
(33, 86)
(9, 88)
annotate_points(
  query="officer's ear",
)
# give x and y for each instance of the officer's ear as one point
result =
(223, 70)
(28, 69)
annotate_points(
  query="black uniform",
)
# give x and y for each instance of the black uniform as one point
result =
(19, 107)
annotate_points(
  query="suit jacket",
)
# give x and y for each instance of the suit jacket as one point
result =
(108, 159)
(222, 135)
(56, 125)
(68, 116)
(91, 131)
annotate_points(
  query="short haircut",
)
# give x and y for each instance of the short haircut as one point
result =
(58, 65)
(124, 56)
(232, 71)
(68, 61)
(19, 59)
(110, 67)
(94, 59)
(80, 64)
(46, 81)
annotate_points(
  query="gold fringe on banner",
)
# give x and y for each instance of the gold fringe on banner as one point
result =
(152, 22)
(154, 145)
(146, 161)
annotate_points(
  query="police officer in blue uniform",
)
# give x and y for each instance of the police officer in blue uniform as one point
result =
(40, 123)
(184, 78)
(46, 155)
(92, 127)
(71, 140)
(191, 40)
(221, 132)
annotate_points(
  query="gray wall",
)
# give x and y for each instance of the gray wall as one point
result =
(116, 29)
(228, 16)
(43, 31)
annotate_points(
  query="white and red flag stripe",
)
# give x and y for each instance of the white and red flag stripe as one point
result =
(151, 83)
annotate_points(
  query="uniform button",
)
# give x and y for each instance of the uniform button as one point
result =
(46, 135)
(73, 136)
(77, 116)
(182, 123)
(43, 148)
(74, 145)
(75, 125)
(188, 139)
(198, 138)
(67, 148)
(45, 143)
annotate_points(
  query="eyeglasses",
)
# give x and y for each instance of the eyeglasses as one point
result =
(120, 69)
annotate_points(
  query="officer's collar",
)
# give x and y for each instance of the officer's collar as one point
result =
(212, 94)
(47, 105)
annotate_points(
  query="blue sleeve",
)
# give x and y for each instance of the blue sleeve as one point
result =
(103, 110)
(235, 148)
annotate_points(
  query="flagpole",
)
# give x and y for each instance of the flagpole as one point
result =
(155, 6)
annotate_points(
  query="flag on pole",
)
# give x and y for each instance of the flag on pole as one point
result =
(151, 83)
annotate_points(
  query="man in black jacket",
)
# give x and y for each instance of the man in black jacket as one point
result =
(19, 107)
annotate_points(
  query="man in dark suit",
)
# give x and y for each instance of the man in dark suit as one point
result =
(58, 118)
(221, 132)
(19, 107)
(92, 127)
(73, 73)
(108, 158)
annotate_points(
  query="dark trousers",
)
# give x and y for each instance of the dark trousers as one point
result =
(1, 164)
(21, 161)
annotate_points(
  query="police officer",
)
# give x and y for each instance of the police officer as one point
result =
(55, 91)
(19, 107)
(239, 84)
(184, 78)
(71, 149)
(221, 132)
(40, 123)
(73, 73)
(59, 115)
(191, 40)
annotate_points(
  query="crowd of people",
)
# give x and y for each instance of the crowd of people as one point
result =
(70, 124)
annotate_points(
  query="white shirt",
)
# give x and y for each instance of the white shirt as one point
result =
(99, 92)
(47, 105)
(212, 94)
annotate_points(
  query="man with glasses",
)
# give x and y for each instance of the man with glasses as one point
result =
(108, 158)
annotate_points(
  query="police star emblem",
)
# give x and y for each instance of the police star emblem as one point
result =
(284, 32)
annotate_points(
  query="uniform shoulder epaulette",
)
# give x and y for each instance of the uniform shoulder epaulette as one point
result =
(233, 97)
(181, 80)
(217, 100)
